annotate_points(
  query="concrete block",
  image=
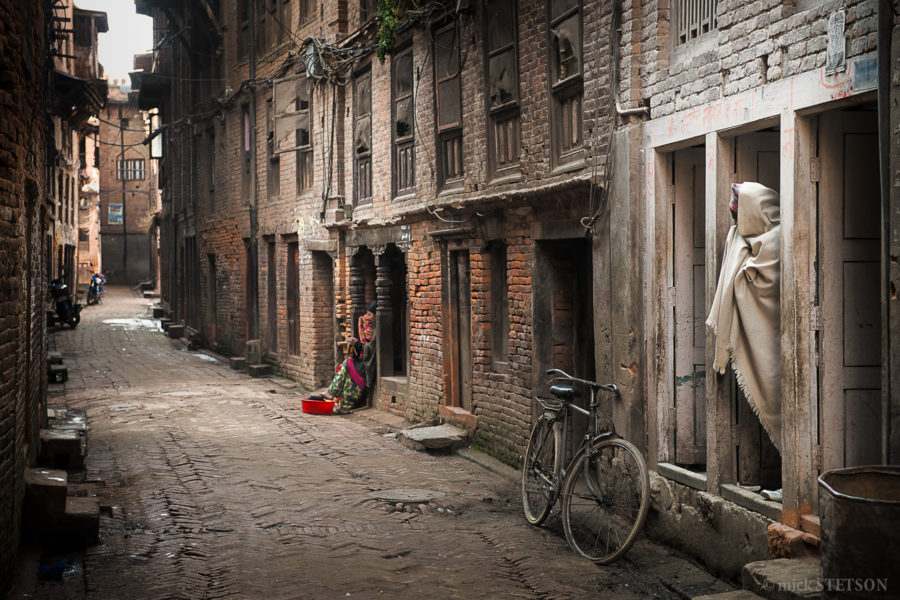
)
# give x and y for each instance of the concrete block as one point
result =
(165, 323)
(63, 448)
(81, 519)
(810, 524)
(238, 363)
(176, 331)
(150, 294)
(783, 579)
(57, 374)
(54, 358)
(158, 312)
(260, 370)
(254, 352)
(45, 492)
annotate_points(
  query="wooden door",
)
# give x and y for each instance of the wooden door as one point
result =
(757, 461)
(850, 289)
(460, 330)
(689, 274)
(293, 298)
(271, 299)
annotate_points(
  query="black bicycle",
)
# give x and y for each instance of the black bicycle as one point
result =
(605, 488)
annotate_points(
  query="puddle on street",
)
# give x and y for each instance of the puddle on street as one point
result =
(134, 324)
(206, 357)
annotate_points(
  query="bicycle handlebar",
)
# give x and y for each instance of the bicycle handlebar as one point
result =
(608, 387)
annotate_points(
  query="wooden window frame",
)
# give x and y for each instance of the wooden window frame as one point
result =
(449, 136)
(566, 91)
(700, 19)
(403, 145)
(504, 119)
(367, 10)
(307, 11)
(273, 159)
(130, 169)
(362, 162)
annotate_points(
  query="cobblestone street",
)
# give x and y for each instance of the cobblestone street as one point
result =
(216, 485)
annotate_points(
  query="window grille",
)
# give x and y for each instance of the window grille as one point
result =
(694, 18)
(130, 169)
(449, 107)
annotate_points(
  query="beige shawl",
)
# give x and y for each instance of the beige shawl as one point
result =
(745, 311)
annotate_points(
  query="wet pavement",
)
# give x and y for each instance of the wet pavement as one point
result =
(213, 484)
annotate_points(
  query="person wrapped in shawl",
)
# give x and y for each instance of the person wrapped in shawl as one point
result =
(355, 372)
(744, 317)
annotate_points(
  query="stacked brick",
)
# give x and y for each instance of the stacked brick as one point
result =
(22, 272)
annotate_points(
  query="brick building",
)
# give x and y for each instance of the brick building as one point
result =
(509, 213)
(45, 99)
(128, 195)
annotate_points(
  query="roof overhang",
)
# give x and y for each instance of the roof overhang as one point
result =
(78, 99)
(152, 89)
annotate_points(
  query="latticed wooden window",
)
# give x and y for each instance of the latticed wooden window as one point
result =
(503, 85)
(293, 125)
(449, 104)
(403, 129)
(130, 169)
(694, 18)
(566, 82)
(362, 136)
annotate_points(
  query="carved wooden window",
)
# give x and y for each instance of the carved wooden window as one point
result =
(293, 126)
(693, 18)
(307, 10)
(273, 162)
(362, 137)
(403, 130)
(449, 104)
(566, 81)
(502, 86)
(130, 169)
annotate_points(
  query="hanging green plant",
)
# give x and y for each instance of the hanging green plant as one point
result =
(389, 14)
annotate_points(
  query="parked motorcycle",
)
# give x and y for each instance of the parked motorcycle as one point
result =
(95, 291)
(68, 309)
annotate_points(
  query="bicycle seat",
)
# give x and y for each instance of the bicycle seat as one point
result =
(566, 392)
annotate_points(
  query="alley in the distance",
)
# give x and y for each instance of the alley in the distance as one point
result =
(213, 484)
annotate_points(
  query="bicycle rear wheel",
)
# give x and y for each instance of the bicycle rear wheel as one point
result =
(603, 527)
(538, 472)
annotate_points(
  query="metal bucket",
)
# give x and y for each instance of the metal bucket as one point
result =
(859, 509)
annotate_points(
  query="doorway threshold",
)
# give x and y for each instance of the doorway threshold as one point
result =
(683, 476)
(751, 501)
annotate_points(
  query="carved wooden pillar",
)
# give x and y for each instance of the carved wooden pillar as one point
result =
(357, 291)
(384, 316)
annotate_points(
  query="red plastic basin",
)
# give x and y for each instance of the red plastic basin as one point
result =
(317, 407)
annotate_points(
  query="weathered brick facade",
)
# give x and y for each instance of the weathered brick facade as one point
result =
(24, 219)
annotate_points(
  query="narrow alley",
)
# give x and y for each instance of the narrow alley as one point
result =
(213, 484)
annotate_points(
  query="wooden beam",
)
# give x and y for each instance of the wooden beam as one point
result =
(212, 16)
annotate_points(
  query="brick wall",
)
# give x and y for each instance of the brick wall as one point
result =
(23, 127)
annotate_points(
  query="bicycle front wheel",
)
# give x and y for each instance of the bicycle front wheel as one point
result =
(605, 502)
(538, 472)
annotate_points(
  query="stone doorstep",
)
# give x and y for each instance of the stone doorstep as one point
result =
(57, 374)
(45, 491)
(63, 447)
(259, 370)
(783, 579)
(811, 525)
(440, 437)
(165, 324)
(459, 417)
(158, 312)
(238, 363)
(175, 331)
(81, 519)
(54, 358)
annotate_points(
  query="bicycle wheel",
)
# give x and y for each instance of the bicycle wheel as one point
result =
(538, 473)
(603, 527)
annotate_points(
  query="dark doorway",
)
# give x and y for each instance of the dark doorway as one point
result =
(400, 323)
(323, 321)
(271, 299)
(460, 330)
(211, 290)
(292, 283)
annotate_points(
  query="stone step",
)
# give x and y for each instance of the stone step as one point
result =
(45, 493)
(68, 419)
(176, 331)
(54, 358)
(63, 448)
(165, 324)
(150, 294)
(783, 579)
(440, 437)
(81, 519)
(238, 363)
(259, 370)
(158, 312)
(735, 595)
(57, 374)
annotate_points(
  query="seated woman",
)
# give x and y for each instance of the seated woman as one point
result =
(349, 384)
